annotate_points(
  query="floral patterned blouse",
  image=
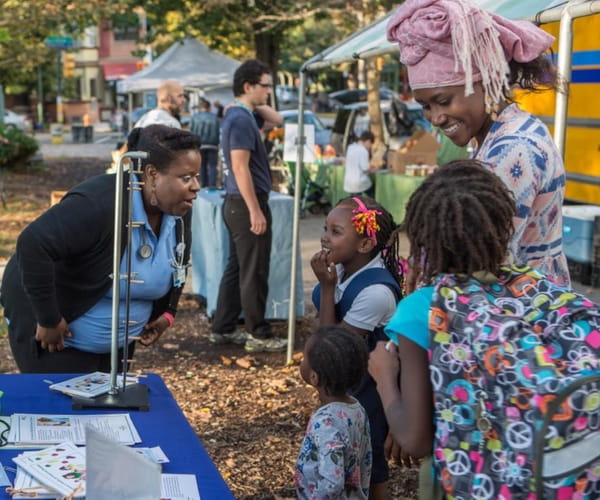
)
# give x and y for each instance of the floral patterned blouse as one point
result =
(335, 458)
(521, 152)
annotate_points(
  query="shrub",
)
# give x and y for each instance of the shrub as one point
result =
(15, 147)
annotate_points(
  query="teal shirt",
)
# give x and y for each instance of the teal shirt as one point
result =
(411, 319)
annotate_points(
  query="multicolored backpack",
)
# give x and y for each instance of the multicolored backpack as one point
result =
(501, 353)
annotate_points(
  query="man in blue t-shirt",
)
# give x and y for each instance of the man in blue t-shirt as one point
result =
(244, 285)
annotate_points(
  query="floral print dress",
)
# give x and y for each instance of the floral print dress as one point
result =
(335, 458)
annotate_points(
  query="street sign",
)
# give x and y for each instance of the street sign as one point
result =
(59, 42)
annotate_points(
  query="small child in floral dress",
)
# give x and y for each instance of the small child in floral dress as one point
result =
(335, 457)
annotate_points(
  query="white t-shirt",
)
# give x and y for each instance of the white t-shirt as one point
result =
(158, 116)
(374, 305)
(356, 178)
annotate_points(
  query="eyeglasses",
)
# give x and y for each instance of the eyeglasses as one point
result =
(265, 85)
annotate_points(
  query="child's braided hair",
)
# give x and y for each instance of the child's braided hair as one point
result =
(388, 242)
(460, 220)
(339, 357)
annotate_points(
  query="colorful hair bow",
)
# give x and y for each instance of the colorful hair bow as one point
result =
(365, 220)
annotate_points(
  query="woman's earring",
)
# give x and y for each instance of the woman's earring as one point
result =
(491, 108)
(153, 199)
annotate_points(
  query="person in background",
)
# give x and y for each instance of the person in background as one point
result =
(335, 456)
(219, 110)
(463, 64)
(244, 285)
(358, 165)
(57, 288)
(360, 283)
(171, 100)
(205, 125)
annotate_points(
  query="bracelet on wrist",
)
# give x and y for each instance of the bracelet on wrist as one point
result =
(169, 317)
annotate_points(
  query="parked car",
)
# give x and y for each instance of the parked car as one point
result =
(288, 97)
(401, 119)
(322, 133)
(340, 98)
(14, 120)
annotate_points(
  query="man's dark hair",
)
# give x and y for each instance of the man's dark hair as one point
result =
(460, 220)
(251, 72)
(203, 103)
(367, 135)
(339, 357)
(162, 144)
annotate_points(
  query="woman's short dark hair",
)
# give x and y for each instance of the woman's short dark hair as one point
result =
(250, 71)
(162, 144)
(339, 357)
(533, 76)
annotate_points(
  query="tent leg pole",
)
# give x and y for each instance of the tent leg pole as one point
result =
(296, 220)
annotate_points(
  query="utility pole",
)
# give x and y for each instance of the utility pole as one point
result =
(40, 103)
(59, 86)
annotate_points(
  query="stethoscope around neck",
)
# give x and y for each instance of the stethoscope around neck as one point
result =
(145, 250)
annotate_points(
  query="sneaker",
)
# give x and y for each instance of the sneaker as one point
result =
(273, 344)
(237, 337)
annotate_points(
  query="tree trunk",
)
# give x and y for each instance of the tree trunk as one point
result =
(267, 50)
(375, 114)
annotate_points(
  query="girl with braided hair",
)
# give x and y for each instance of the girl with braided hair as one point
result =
(57, 289)
(360, 283)
(478, 334)
(335, 457)
(463, 64)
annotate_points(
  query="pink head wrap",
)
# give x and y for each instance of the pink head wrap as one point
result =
(452, 42)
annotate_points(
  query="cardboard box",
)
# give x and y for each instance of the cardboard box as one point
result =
(420, 149)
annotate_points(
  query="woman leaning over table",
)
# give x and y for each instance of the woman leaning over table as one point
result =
(57, 289)
(463, 63)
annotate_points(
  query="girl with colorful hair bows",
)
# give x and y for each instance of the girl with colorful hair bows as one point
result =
(360, 283)
(463, 64)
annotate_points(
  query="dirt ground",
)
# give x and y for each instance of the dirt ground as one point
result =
(250, 412)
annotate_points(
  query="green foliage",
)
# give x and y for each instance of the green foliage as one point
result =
(15, 147)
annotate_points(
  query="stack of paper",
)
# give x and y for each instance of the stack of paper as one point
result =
(89, 386)
(59, 469)
(29, 428)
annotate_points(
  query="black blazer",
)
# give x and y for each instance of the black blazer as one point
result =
(64, 257)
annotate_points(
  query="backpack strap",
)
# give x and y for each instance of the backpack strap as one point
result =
(372, 276)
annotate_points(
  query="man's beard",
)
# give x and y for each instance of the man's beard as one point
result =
(176, 113)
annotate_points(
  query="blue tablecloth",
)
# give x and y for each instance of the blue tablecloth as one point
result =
(164, 425)
(210, 249)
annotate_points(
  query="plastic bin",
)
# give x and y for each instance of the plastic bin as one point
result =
(578, 231)
(77, 133)
(88, 133)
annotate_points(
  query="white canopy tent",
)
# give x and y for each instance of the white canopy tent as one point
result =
(371, 41)
(189, 62)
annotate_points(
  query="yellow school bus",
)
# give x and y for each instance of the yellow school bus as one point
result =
(582, 146)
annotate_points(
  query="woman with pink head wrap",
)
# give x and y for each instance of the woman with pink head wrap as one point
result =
(463, 63)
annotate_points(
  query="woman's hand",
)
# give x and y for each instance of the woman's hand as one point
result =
(323, 268)
(53, 339)
(153, 331)
(384, 365)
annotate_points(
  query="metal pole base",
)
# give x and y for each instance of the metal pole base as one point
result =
(135, 397)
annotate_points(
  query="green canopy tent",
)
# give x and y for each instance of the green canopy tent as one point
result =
(371, 42)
